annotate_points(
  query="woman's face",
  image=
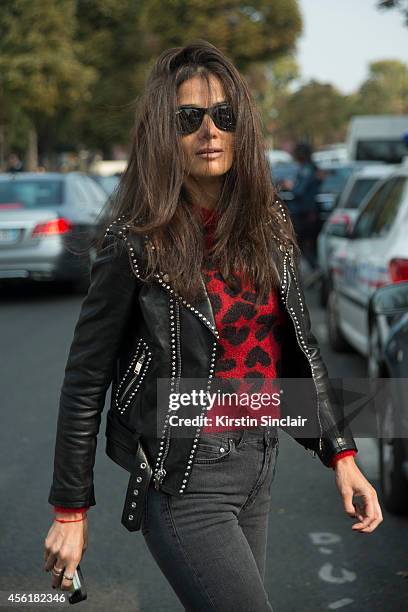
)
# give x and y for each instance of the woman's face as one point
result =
(195, 92)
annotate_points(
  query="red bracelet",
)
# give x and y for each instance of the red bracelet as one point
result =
(70, 521)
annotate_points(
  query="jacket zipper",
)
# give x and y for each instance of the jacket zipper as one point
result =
(161, 472)
(136, 370)
(307, 357)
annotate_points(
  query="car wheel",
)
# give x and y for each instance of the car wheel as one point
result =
(336, 339)
(394, 485)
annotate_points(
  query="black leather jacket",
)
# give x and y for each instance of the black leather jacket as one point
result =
(130, 333)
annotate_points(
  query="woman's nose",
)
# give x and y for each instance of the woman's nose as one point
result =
(208, 126)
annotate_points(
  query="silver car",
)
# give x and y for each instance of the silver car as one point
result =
(45, 219)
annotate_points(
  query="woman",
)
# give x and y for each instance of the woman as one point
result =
(195, 280)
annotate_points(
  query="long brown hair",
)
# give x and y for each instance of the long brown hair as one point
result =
(152, 199)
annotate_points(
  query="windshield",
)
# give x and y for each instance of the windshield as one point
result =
(334, 179)
(282, 171)
(359, 190)
(389, 151)
(108, 183)
(30, 193)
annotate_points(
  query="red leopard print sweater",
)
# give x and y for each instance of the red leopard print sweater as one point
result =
(250, 337)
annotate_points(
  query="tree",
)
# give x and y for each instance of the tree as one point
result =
(316, 112)
(269, 83)
(39, 66)
(385, 91)
(76, 67)
(257, 32)
(122, 38)
(114, 44)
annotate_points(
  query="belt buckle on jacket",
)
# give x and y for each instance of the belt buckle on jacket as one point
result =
(139, 481)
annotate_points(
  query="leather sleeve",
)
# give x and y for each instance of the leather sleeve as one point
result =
(336, 433)
(89, 372)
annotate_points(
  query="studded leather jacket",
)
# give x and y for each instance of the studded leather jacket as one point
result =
(130, 334)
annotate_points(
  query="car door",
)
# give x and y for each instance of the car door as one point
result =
(351, 271)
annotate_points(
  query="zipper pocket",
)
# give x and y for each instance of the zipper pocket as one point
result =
(137, 369)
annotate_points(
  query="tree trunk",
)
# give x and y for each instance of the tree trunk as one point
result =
(32, 151)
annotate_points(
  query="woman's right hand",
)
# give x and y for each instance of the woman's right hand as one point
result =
(64, 547)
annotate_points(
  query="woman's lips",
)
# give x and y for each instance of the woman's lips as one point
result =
(210, 155)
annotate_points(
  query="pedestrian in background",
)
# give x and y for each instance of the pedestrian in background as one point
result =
(196, 278)
(303, 208)
(14, 163)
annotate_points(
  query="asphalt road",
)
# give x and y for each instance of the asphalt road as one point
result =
(315, 561)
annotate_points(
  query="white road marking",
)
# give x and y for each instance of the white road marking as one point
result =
(326, 573)
(325, 551)
(323, 538)
(335, 605)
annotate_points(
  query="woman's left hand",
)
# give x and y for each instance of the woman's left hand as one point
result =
(350, 481)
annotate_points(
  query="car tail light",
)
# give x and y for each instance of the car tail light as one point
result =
(398, 270)
(341, 218)
(10, 205)
(52, 228)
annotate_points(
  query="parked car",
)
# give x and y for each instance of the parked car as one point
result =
(341, 219)
(389, 315)
(108, 182)
(276, 156)
(374, 254)
(334, 179)
(42, 218)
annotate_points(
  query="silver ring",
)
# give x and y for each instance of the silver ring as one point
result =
(68, 577)
(56, 571)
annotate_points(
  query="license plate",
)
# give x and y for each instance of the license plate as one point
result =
(8, 236)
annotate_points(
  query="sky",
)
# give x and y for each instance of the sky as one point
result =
(341, 37)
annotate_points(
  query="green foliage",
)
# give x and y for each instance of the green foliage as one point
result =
(385, 91)
(317, 112)
(75, 67)
(39, 65)
(257, 32)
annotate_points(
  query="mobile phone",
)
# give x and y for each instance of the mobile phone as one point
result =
(77, 592)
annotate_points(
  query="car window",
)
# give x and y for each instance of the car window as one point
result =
(365, 221)
(358, 192)
(31, 193)
(389, 210)
(96, 192)
(390, 151)
(108, 183)
(80, 193)
(334, 179)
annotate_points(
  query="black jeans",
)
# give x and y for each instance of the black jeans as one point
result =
(210, 543)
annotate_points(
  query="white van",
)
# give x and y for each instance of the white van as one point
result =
(381, 138)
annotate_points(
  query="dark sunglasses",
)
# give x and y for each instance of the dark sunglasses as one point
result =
(189, 118)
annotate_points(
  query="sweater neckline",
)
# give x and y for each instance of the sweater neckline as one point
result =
(209, 217)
